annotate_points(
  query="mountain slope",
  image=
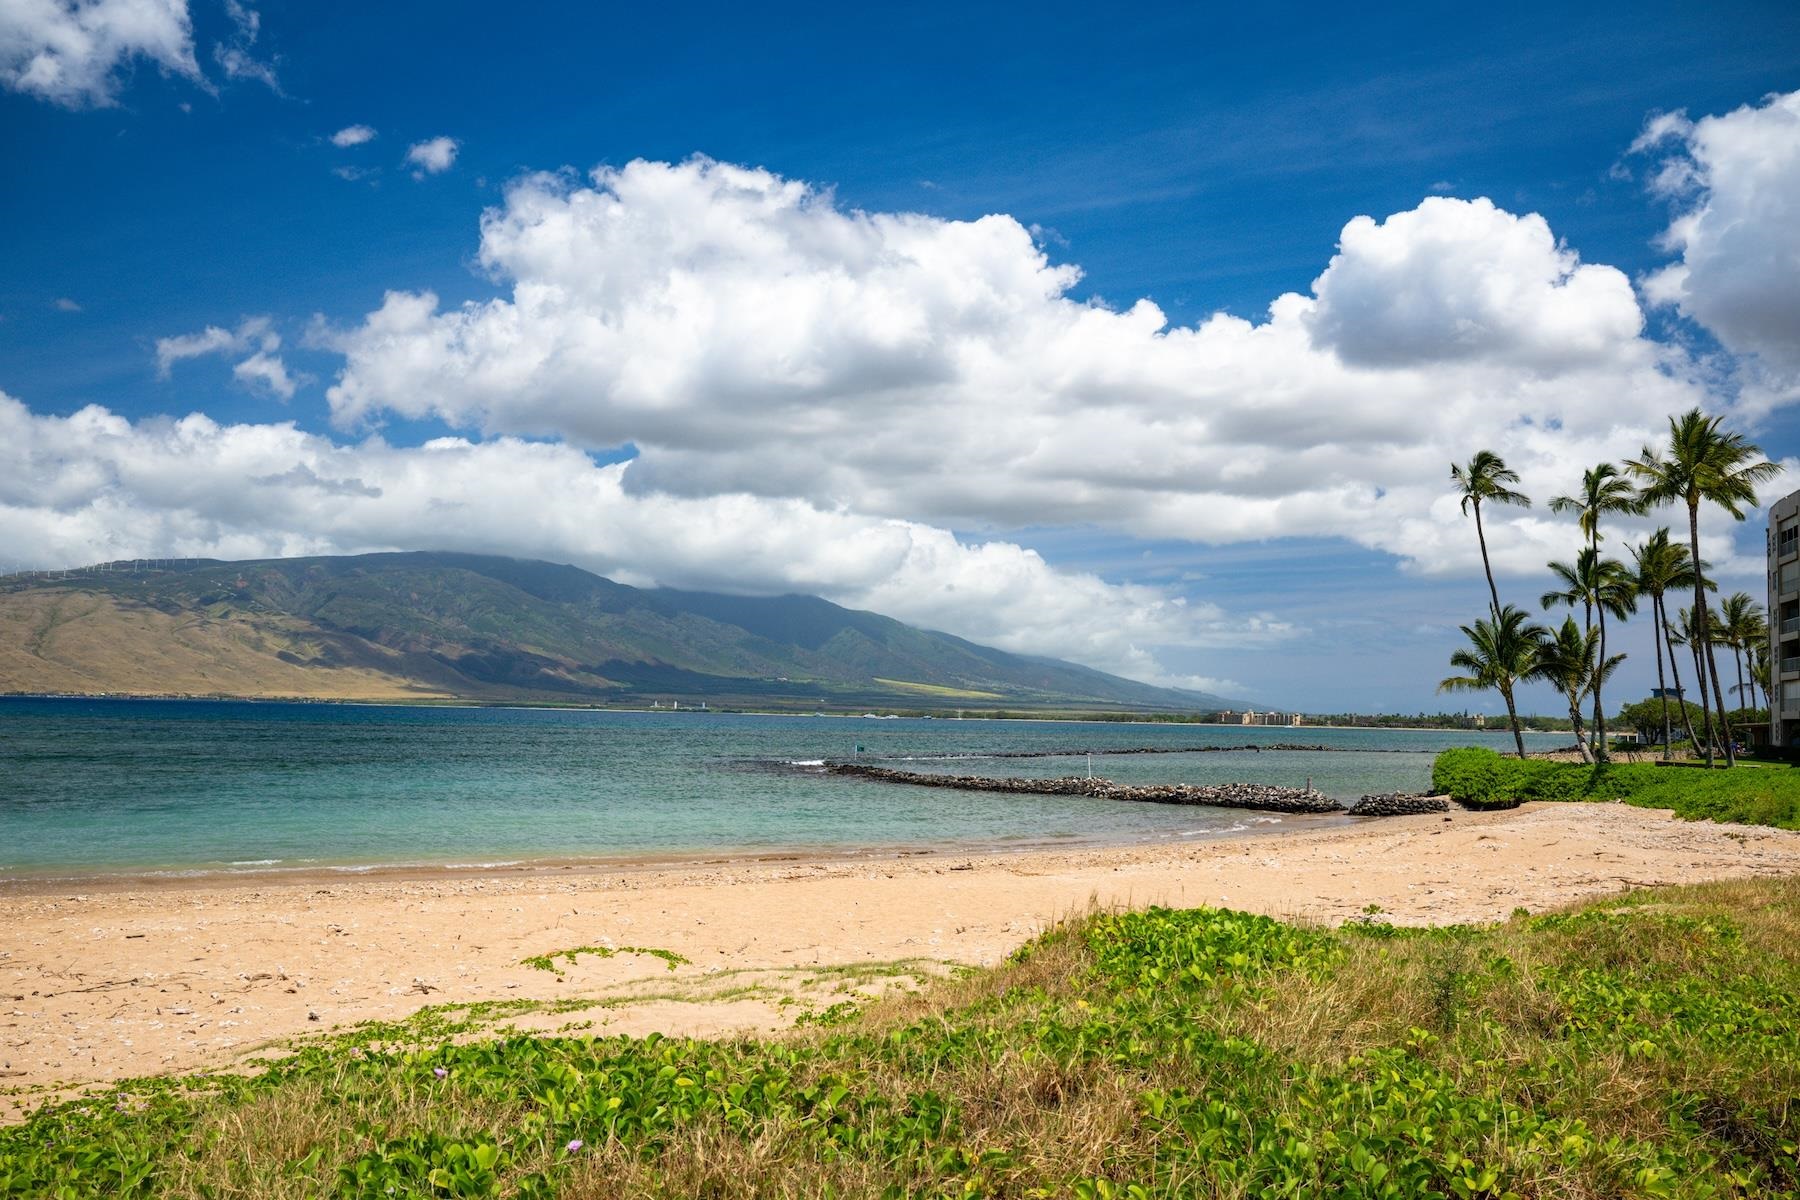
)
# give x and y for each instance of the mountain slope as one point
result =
(437, 625)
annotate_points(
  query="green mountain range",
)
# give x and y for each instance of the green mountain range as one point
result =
(440, 626)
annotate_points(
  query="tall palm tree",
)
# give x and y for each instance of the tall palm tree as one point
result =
(1759, 672)
(1500, 653)
(1704, 463)
(1741, 625)
(1568, 660)
(1600, 585)
(1664, 566)
(1486, 478)
(1604, 489)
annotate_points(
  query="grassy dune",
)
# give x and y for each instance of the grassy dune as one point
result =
(1645, 1046)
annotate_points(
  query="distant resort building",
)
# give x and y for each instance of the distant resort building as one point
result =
(1784, 620)
(1230, 717)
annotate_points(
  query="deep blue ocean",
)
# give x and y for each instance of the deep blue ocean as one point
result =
(92, 787)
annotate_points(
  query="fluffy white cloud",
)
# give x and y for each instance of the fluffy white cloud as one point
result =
(265, 370)
(64, 304)
(1453, 280)
(1736, 181)
(352, 135)
(748, 335)
(432, 156)
(70, 51)
(255, 338)
(93, 486)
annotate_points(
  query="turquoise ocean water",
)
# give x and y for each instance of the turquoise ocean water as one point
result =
(94, 787)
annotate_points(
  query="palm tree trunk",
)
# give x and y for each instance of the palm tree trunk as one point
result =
(1575, 721)
(1712, 662)
(1687, 721)
(1699, 630)
(1493, 592)
(1662, 686)
(1512, 715)
(1737, 652)
(1601, 752)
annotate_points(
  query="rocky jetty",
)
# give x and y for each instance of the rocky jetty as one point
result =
(1399, 804)
(1260, 797)
(1116, 750)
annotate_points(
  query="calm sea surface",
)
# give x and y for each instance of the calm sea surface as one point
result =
(92, 787)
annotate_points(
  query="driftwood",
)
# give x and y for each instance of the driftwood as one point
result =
(1261, 797)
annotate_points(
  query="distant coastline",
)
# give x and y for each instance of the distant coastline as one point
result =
(1097, 717)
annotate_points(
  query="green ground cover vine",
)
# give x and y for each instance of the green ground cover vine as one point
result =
(1641, 1047)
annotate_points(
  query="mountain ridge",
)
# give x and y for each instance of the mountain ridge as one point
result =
(434, 625)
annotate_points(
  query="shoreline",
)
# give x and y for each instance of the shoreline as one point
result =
(105, 985)
(176, 878)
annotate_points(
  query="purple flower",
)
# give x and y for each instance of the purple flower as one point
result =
(573, 1146)
(439, 1072)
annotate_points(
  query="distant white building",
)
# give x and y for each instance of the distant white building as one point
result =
(1252, 717)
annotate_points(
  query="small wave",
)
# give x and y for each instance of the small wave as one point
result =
(254, 862)
(806, 762)
(468, 866)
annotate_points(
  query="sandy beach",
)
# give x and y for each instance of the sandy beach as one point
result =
(108, 981)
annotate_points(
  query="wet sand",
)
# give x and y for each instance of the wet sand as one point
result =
(108, 980)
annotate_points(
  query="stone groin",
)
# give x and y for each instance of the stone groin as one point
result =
(1399, 804)
(1260, 797)
(1116, 750)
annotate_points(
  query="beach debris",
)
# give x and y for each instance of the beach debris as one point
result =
(1399, 804)
(1259, 796)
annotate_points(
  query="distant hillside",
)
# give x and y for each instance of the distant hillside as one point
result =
(429, 625)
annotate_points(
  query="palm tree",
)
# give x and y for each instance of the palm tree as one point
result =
(1501, 652)
(1485, 478)
(1600, 585)
(1567, 660)
(1704, 463)
(1759, 671)
(1663, 566)
(1604, 489)
(1741, 625)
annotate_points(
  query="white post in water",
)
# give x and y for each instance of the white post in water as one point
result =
(1090, 764)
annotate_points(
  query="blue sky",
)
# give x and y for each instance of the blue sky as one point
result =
(1206, 160)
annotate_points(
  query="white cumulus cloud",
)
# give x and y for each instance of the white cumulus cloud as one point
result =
(748, 334)
(71, 52)
(1736, 182)
(433, 156)
(254, 338)
(353, 135)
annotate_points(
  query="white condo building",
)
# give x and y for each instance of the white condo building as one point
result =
(1784, 621)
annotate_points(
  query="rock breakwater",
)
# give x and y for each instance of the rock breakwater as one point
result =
(1260, 797)
(1118, 750)
(1399, 804)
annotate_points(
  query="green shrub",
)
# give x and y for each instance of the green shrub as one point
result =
(1747, 795)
